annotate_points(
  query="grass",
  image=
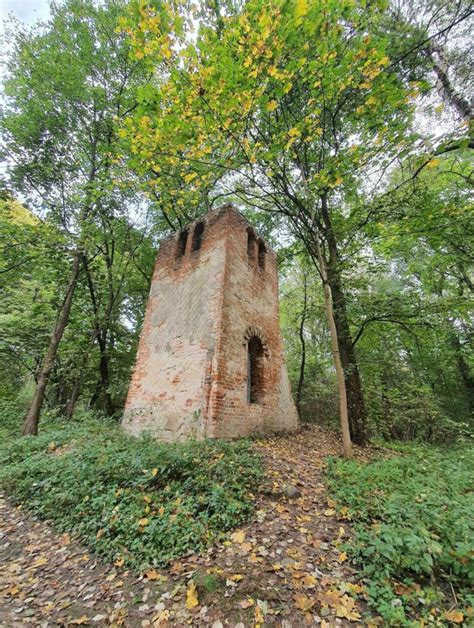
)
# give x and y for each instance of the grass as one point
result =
(413, 519)
(131, 500)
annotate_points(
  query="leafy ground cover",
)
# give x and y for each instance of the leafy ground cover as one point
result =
(413, 517)
(131, 500)
(284, 567)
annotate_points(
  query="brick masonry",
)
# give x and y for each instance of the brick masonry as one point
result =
(191, 376)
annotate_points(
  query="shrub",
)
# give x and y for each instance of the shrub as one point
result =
(410, 412)
(414, 527)
(147, 502)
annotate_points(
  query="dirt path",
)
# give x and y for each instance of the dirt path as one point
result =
(286, 568)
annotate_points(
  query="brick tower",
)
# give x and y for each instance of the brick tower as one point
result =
(210, 359)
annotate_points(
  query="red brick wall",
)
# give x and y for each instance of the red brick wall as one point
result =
(191, 370)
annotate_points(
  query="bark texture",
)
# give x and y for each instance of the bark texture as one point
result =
(355, 398)
(30, 426)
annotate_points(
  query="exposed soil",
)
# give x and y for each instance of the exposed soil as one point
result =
(286, 568)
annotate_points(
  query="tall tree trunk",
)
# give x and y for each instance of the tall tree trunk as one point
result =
(303, 345)
(331, 314)
(30, 426)
(102, 393)
(355, 396)
(106, 397)
(445, 88)
(463, 368)
(341, 382)
(73, 397)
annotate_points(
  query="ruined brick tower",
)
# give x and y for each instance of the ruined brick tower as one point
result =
(210, 360)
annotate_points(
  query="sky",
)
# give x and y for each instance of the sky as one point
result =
(27, 11)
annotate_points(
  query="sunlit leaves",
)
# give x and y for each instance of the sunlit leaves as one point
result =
(223, 86)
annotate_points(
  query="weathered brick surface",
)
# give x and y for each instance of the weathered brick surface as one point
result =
(191, 372)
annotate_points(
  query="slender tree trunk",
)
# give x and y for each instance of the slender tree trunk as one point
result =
(463, 368)
(106, 397)
(341, 382)
(71, 404)
(356, 402)
(355, 397)
(445, 88)
(32, 420)
(303, 346)
(100, 334)
(331, 318)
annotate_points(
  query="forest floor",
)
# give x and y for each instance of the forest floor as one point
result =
(285, 568)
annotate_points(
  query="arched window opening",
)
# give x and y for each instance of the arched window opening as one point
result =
(254, 370)
(251, 241)
(197, 236)
(182, 241)
(261, 254)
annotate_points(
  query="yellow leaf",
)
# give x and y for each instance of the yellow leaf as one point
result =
(119, 562)
(272, 105)
(151, 574)
(189, 177)
(309, 581)
(236, 577)
(81, 620)
(301, 8)
(154, 471)
(191, 596)
(342, 557)
(303, 602)
(238, 536)
(457, 617)
(161, 618)
(143, 522)
(347, 609)
(40, 561)
(433, 163)
(259, 616)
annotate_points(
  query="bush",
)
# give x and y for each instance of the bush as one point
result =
(134, 498)
(411, 413)
(13, 414)
(11, 419)
(414, 528)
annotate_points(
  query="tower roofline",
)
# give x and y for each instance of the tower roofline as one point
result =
(214, 214)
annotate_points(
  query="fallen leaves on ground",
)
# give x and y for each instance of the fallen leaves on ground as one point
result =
(286, 565)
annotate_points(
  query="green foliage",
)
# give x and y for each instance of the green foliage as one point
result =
(63, 158)
(414, 528)
(132, 498)
(409, 411)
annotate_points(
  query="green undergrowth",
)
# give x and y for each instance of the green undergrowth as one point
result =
(413, 522)
(132, 499)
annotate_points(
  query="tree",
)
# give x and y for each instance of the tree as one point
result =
(59, 134)
(289, 126)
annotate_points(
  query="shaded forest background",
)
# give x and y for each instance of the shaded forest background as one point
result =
(364, 191)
